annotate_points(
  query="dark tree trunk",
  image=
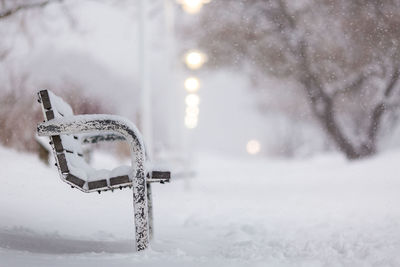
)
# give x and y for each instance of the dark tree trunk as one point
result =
(323, 108)
(333, 129)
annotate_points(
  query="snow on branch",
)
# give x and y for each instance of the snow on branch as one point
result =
(8, 12)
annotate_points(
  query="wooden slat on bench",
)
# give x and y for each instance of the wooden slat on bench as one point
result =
(44, 95)
(49, 115)
(97, 184)
(75, 180)
(57, 144)
(62, 163)
(119, 180)
(160, 175)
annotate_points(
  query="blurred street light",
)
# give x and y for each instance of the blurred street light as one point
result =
(195, 59)
(192, 100)
(192, 6)
(191, 121)
(192, 84)
(192, 111)
(253, 147)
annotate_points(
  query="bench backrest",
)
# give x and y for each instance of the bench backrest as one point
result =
(67, 148)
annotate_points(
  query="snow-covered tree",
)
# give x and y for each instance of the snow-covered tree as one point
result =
(10, 9)
(343, 55)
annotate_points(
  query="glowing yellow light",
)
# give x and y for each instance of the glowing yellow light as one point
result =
(192, 111)
(253, 147)
(195, 59)
(192, 84)
(191, 121)
(192, 100)
(192, 6)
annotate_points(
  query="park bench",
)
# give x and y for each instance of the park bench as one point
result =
(68, 132)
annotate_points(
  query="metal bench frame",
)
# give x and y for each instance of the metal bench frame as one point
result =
(109, 128)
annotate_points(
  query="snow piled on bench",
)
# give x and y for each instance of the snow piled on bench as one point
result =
(238, 212)
(59, 105)
(76, 164)
(79, 121)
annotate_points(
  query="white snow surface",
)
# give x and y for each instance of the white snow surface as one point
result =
(322, 211)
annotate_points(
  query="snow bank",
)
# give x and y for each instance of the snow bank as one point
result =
(318, 212)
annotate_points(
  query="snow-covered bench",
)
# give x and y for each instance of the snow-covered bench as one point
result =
(68, 132)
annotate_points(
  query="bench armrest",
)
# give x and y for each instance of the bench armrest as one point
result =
(103, 124)
(115, 127)
(97, 138)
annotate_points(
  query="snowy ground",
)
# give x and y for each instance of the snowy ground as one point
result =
(237, 212)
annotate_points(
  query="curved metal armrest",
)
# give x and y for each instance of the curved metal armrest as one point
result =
(96, 124)
(97, 138)
(77, 124)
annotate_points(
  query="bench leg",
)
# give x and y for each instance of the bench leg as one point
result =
(150, 208)
(141, 210)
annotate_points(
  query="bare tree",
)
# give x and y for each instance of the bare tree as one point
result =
(20, 113)
(10, 9)
(345, 55)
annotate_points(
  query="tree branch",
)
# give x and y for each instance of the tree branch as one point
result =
(379, 111)
(395, 77)
(351, 86)
(12, 11)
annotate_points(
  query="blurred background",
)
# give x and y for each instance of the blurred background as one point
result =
(259, 78)
(265, 78)
(285, 112)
